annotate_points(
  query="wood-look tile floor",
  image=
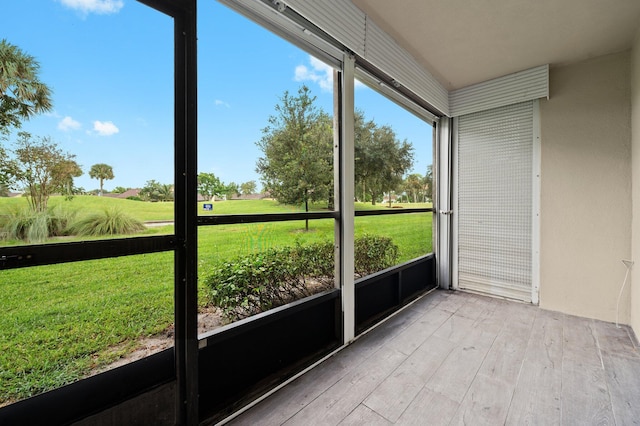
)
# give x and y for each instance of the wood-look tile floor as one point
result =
(458, 358)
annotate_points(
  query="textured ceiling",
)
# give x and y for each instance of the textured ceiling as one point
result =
(462, 42)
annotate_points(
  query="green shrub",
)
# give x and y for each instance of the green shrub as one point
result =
(255, 283)
(110, 221)
(373, 253)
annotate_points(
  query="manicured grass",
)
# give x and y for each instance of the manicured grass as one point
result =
(86, 204)
(59, 322)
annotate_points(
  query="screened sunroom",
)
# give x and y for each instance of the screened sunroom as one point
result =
(446, 230)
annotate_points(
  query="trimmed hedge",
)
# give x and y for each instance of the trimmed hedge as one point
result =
(255, 283)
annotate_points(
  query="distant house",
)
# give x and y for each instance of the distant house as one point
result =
(250, 196)
(385, 198)
(134, 192)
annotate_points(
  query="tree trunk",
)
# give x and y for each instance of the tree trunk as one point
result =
(306, 209)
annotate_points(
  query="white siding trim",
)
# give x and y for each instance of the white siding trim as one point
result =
(522, 86)
(342, 20)
(384, 53)
(348, 25)
(391, 94)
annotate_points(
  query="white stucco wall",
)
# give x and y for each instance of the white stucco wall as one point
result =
(635, 159)
(586, 188)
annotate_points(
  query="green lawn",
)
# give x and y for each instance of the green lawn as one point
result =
(85, 204)
(60, 321)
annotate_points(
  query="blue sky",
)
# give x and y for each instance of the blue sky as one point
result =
(110, 65)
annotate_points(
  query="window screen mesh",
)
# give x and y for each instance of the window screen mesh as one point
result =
(495, 150)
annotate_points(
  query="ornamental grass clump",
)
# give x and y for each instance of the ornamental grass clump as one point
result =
(110, 221)
(31, 226)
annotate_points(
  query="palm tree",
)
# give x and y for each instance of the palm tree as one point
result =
(101, 172)
(22, 94)
(166, 192)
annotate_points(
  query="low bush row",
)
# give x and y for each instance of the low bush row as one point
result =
(258, 282)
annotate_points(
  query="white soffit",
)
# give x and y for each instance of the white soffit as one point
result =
(464, 42)
(511, 89)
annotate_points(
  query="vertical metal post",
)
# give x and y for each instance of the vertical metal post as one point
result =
(535, 206)
(346, 195)
(435, 185)
(443, 206)
(185, 157)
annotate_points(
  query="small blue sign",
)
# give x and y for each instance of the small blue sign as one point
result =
(207, 207)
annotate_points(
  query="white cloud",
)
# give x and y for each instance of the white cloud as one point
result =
(101, 7)
(218, 102)
(320, 73)
(105, 128)
(68, 123)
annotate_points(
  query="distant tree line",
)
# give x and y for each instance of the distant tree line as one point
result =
(211, 187)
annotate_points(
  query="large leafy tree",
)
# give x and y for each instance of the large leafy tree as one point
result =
(42, 168)
(365, 168)
(297, 146)
(414, 185)
(65, 171)
(6, 166)
(22, 94)
(210, 186)
(381, 159)
(428, 182)
(101, 172)
(231, 190)
(248, 188)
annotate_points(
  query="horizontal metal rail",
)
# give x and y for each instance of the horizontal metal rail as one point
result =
(392, 211)
(49, 254)
(230, 219)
